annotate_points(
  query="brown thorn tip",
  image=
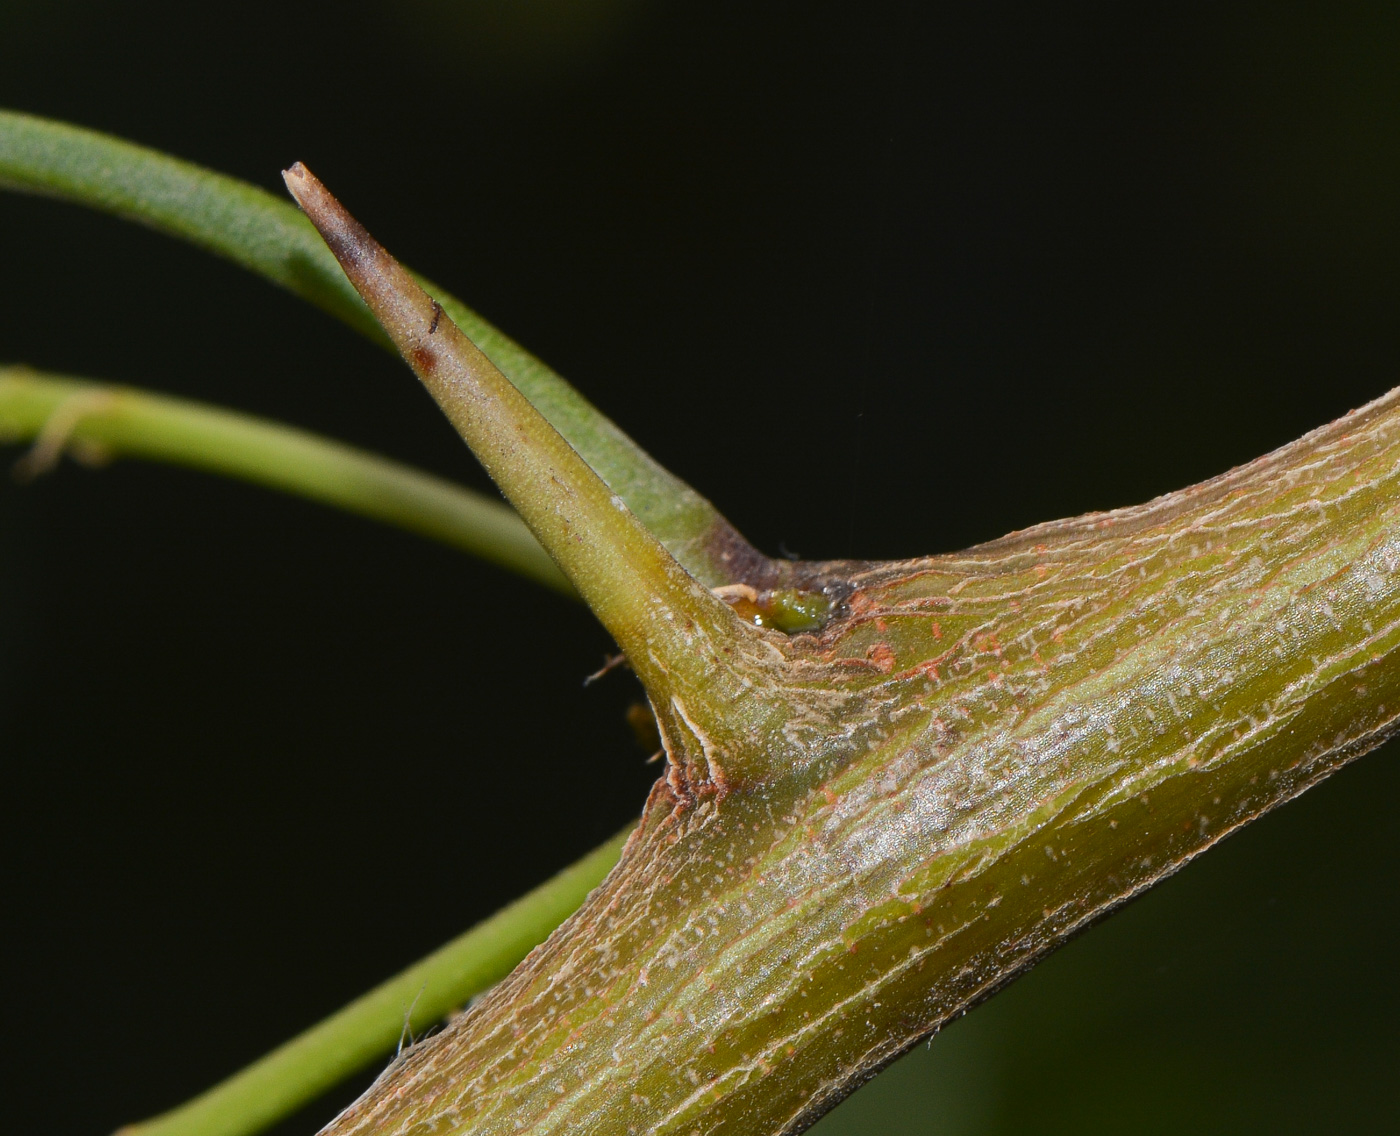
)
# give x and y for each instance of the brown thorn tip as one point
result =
(297, 177)
(346, 237)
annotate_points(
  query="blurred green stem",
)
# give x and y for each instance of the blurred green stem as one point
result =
(303, 1068)
(100, 420)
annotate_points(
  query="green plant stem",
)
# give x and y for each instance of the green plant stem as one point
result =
(342, 1044)
(110, 420)
(1036, 730)
(270, 237)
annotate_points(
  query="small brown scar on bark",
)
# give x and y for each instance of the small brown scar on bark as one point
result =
(423, 359)
(437, 315)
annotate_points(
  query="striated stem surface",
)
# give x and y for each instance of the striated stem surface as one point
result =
(1034, 731)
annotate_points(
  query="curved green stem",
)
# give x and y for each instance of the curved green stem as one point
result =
(66, 412)
(301, 1069)
(270, 237)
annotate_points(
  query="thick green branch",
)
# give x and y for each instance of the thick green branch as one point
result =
(112, 420)
(270, 237)
(982, 754)
(368, 1027)
(1037, 730)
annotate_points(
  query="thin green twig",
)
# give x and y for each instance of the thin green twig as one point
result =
(298, 1071)
(65, 413)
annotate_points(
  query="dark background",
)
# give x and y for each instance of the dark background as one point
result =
(881, 280)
